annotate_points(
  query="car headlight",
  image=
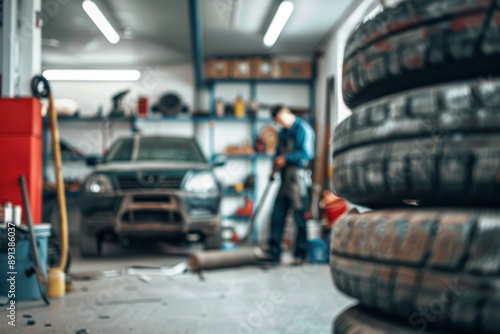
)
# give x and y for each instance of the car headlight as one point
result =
(203, 182)
(98, 184)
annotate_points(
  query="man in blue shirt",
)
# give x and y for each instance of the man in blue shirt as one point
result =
(295, 151)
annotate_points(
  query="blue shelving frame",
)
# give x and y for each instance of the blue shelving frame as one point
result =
(238, 218)
(233, 193)
(134, 120)
(212, 85)
(256, 81)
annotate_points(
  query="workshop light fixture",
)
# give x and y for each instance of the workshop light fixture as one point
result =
(101, 21)
(278, 23)
(92, 75)
(236, 14)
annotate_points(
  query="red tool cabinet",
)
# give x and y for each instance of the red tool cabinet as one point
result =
(21, 150)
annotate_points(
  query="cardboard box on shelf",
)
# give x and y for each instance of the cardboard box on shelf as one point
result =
(265, 68)
(296, 69)
(240, 68)
(217, 68)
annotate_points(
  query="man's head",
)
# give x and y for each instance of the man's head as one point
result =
(283, 116)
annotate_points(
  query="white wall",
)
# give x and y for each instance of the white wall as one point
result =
(154, 82)
(331, 64)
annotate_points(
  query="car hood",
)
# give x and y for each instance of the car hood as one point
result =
(153, 165)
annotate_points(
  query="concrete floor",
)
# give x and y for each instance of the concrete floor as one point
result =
(245, 300)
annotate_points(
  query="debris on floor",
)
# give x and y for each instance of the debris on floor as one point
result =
(110, 273)
(92, 276)
(130, 301)
(144, 278)
(82, 331)
(144, 272)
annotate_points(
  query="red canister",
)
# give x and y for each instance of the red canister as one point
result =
(142, 106)
(334, 207)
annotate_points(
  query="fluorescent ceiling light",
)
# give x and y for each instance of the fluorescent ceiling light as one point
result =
(278, 23)
(100, 21)
(92, 75)
(236, 14)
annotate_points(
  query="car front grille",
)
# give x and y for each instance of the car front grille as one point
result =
(151, 181)
(151, 216)
(152, 199)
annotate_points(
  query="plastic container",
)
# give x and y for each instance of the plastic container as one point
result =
(220, 108)
(314, 229)
(6, 213)
(319, 251)
(26, 287)
(10, 214)
(239, 107)
(334, 210)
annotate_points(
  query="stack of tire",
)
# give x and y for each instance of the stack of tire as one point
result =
(422, 148)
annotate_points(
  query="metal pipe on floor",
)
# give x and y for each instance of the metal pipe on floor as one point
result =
(223, 259)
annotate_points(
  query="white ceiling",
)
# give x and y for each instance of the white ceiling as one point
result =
(310, 21)
(157, 32)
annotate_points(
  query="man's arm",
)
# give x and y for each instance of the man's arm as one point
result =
(279, 160)
(282, 137)
(304, 146)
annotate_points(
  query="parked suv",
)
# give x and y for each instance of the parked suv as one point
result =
(159, 188)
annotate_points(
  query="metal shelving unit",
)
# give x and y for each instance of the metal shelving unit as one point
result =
(269, 81)
(66, 158)
(233, 193)
(244, 156)
(134, 120)
(67, 119)
(212, 84)
(237, 218)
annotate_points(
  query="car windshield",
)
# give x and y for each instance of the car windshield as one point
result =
(155, 149)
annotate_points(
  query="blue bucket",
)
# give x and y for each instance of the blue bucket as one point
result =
(26, 287)
(319, 251)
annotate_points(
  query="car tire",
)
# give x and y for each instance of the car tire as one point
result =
(358, 320)
(429, 267)
(419, 43)
(455, 169)
(440, 110)
(213, 241)
(90, 245)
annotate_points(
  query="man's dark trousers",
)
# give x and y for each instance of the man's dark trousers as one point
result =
(278, 219)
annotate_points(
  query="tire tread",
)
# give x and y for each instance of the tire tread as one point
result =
(411, 46)
(459, 169)
(467, 277)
